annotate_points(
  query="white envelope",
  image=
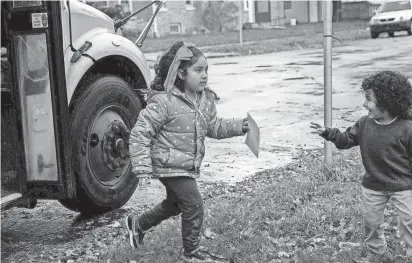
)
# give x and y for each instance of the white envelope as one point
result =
(253, 136)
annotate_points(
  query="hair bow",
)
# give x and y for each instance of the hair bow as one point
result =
(183, 53)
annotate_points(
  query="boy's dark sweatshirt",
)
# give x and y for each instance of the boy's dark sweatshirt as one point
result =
(386, 151)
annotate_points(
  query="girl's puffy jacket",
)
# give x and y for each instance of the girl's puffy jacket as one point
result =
(168, 138)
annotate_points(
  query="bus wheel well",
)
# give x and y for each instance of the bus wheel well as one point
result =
(116, 66)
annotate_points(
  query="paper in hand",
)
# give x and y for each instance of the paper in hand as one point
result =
(253, 136)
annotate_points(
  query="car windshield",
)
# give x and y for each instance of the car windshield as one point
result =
(395, 6)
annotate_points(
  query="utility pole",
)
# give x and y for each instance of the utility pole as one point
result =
(155, 28)
(240, 23)
(327, 57)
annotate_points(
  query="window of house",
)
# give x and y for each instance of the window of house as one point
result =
(175, 28)
(287, 5)
(189, 5)
(97, 4)
(246, 5)
(163, 8)
(125, 6)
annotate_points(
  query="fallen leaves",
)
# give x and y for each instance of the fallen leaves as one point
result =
(208, 233)
(247, 233)
(348, 245)
(231, 223)
(283, 254)
(115, 224)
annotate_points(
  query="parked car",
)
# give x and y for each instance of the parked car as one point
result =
(392, 16)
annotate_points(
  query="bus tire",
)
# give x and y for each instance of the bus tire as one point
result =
(101, 121)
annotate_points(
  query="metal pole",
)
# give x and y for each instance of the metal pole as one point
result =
(240, 22)
(155, 31)
(327, 57)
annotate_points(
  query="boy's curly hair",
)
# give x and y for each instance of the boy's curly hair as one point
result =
(163, 65)
(393, 92)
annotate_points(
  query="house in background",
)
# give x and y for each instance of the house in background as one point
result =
(359, 9)
(186, 17)
(181, 17)
(136, 23)
(178, 17)
(175, 17)
(126, 5)
(282, 12)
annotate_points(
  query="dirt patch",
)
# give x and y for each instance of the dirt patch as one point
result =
(311, 53)
(359, 64)
(385, 58)
(352, 51)
(305, 63)
(252, 91)
(315, 85)
(313, 92)
(261, 69)
(50, 232)
(362, 75)
(235, 73)
(393, 58)
(226, 63)
(405, 68)
(297, 78)
(268, 69)
(348, 51)
(334, 56)
(222, 55)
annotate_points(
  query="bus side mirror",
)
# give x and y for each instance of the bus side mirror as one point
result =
(374, 13)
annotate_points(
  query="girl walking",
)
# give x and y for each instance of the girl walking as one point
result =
(167, 143)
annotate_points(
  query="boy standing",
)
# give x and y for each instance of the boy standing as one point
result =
(385, 140)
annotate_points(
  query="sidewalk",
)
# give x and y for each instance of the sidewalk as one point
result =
(151, 57)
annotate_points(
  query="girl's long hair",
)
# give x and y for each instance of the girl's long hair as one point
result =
(163, 65)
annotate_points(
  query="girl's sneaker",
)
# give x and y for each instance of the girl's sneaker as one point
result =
(201, 255)
(133, 235)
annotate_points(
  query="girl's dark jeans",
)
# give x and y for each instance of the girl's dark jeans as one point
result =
(182, 196)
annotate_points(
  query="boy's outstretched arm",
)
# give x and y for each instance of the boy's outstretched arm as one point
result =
(150, 120)
(342, 140)
(219, 128)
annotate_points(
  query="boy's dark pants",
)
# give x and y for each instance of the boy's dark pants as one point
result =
(182, 196)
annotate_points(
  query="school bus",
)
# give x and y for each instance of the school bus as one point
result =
(72, 88)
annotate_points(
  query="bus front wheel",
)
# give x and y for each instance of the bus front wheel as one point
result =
(101, 121)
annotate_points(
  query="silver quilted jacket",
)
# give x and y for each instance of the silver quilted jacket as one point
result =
(168, 137)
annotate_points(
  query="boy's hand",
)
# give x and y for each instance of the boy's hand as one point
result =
(319, 129)
(245, 126)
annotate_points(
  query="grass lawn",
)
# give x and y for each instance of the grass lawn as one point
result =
(295, 213)
(300, 36)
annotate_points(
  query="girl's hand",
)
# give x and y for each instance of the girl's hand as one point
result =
(319, 129)
(245, 126)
